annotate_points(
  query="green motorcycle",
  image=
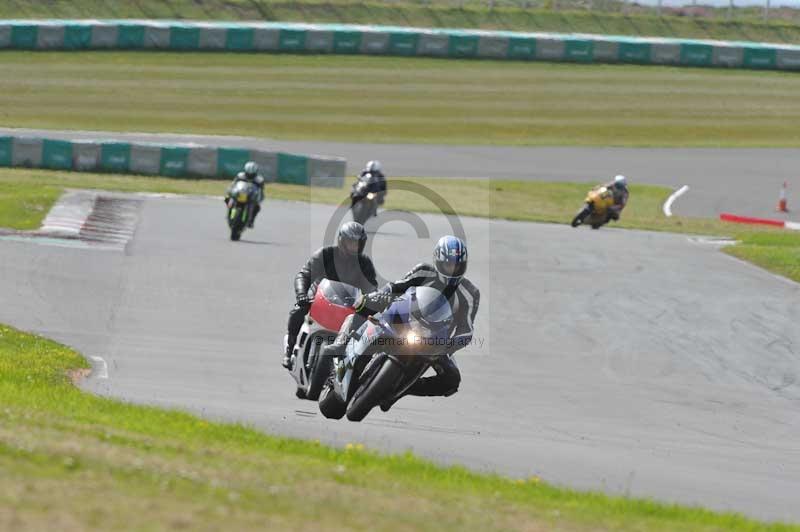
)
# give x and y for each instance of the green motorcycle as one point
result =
(242, 200)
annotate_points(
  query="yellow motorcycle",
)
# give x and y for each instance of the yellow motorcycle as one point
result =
(595, 209)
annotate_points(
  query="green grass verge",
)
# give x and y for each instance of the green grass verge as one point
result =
(393, 99)
(778, 252)
(80, 462)
(773, 249)
(435, 13)
(25, 207)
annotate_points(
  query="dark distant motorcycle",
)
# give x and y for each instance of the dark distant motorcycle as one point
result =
(364, 201)
(389, 353)
(333, 302)
(242, 200)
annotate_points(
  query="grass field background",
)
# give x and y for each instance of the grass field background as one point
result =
(72, 461)
(370, 99)
(431, 13)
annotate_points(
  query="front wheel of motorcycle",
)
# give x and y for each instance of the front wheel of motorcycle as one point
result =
(581, 216)
(360, 213)
(329, 403)
(378, 389)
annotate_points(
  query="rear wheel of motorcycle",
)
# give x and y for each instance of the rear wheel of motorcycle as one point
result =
(329, 403)
(319, 373)
(381, 386)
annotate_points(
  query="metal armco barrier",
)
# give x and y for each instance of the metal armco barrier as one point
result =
(387, 40)
(180, 160)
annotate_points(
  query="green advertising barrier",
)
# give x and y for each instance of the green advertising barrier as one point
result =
(184, 38)
(77, 37)
(174, 161)
(579, 50)
(190, 161)
(270, 37)
(5, 151)
(759, 57)
(463, 45)
(403, 43)
(115, 157)
(292, 40)
(239, 39)
(346, 42)
(522, 48)
(57, 154)
(130, 36)
(293, 169)
(230, 161)
(24, 36)
(634, 52)
(695, 54)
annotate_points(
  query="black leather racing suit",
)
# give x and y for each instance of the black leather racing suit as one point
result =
(464, 298)
(327, 263)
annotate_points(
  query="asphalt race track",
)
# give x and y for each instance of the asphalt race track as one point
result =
(631, 362)
(742, 181)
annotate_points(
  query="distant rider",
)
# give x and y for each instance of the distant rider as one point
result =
(445, 275)
(619, 187)
(345, 262)
(251, 175)
(373, 176)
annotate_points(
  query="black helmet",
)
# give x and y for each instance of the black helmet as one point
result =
(352, 238)
(450, 258)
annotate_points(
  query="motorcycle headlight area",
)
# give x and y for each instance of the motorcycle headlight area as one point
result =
(242, 197)
(416, 335)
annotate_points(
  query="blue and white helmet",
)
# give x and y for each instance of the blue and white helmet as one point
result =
(620, 181)
(450, 258)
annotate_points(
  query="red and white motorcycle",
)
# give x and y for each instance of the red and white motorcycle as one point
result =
(333, 303)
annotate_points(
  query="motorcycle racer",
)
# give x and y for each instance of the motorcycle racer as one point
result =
(373, 175)
(619, 187)
(345, 262)
(445, 275)
(250, 174)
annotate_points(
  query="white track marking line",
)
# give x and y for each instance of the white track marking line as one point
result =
(795, 226)
(670, 200)
(103, 374)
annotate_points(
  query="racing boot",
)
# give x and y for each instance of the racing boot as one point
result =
(252, 221)
(287, 356)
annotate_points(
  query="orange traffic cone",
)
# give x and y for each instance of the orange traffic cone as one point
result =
(782, 199)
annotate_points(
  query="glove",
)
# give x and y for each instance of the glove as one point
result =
(303, 301)
(373, 302)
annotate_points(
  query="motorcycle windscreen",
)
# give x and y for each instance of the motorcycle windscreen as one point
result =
(422, 310)
(333, 302)
(241, 191)
(431, 312)
(339, 293)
